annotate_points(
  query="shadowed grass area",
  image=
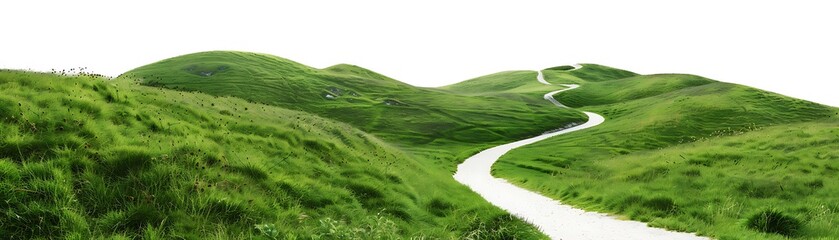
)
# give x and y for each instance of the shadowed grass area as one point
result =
(771, 221)
(84, 158)
(688, 153)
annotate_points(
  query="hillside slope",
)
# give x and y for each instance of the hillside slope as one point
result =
(689, 153)
(397, 112)
(83, 158)
(511, 82)
(521, 85)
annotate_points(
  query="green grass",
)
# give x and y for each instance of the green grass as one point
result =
(519, 86)
(561, 68)
(631, 88)
(83, 157)
(245, 145)
(440, 123)
(597, 73)
(687, 153)
(771, 221)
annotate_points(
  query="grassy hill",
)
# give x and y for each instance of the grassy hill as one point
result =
(245, 145)
(522, 85)
(499, 83)
(591, 73)
(409, 116)
(83, 157)
(689, 153)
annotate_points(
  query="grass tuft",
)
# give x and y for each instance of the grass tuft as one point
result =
(440, 207)
(253, 171)
(121, 162)
(663, 205)
(774, 221)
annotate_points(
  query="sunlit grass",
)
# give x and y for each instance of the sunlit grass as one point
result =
(687, 153)
(418, 119)
(83, 157)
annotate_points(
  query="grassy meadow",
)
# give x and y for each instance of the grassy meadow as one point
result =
(237, 145)
(691, 154)
(444, 125)
(83, 157)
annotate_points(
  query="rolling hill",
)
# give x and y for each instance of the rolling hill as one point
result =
(685, 152)
(83, 157)
(242, 145)
(419, 119)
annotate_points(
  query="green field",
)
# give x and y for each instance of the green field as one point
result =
(688, 153)
(419, 119)
(84, 157)
(237, 145)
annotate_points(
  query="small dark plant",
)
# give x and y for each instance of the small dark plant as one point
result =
(774, 221)
(663, 205)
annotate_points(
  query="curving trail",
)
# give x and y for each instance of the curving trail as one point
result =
(557, 220)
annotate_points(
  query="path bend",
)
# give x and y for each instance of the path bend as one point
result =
(557, 220)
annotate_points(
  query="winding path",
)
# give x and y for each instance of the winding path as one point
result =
(557, 220)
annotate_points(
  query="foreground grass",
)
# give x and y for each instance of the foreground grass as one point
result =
(82, 158)
(691, 154)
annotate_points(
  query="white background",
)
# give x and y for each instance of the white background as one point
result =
(787, 47)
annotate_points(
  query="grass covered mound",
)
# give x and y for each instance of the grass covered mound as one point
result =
(509, 83)
(561, 68)
(397, 112)
(83, 157)
(631, 88)
(688, 153)
(596, 73)
(771, 221)
(522, 85)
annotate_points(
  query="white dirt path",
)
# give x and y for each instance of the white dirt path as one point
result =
(557, 220)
